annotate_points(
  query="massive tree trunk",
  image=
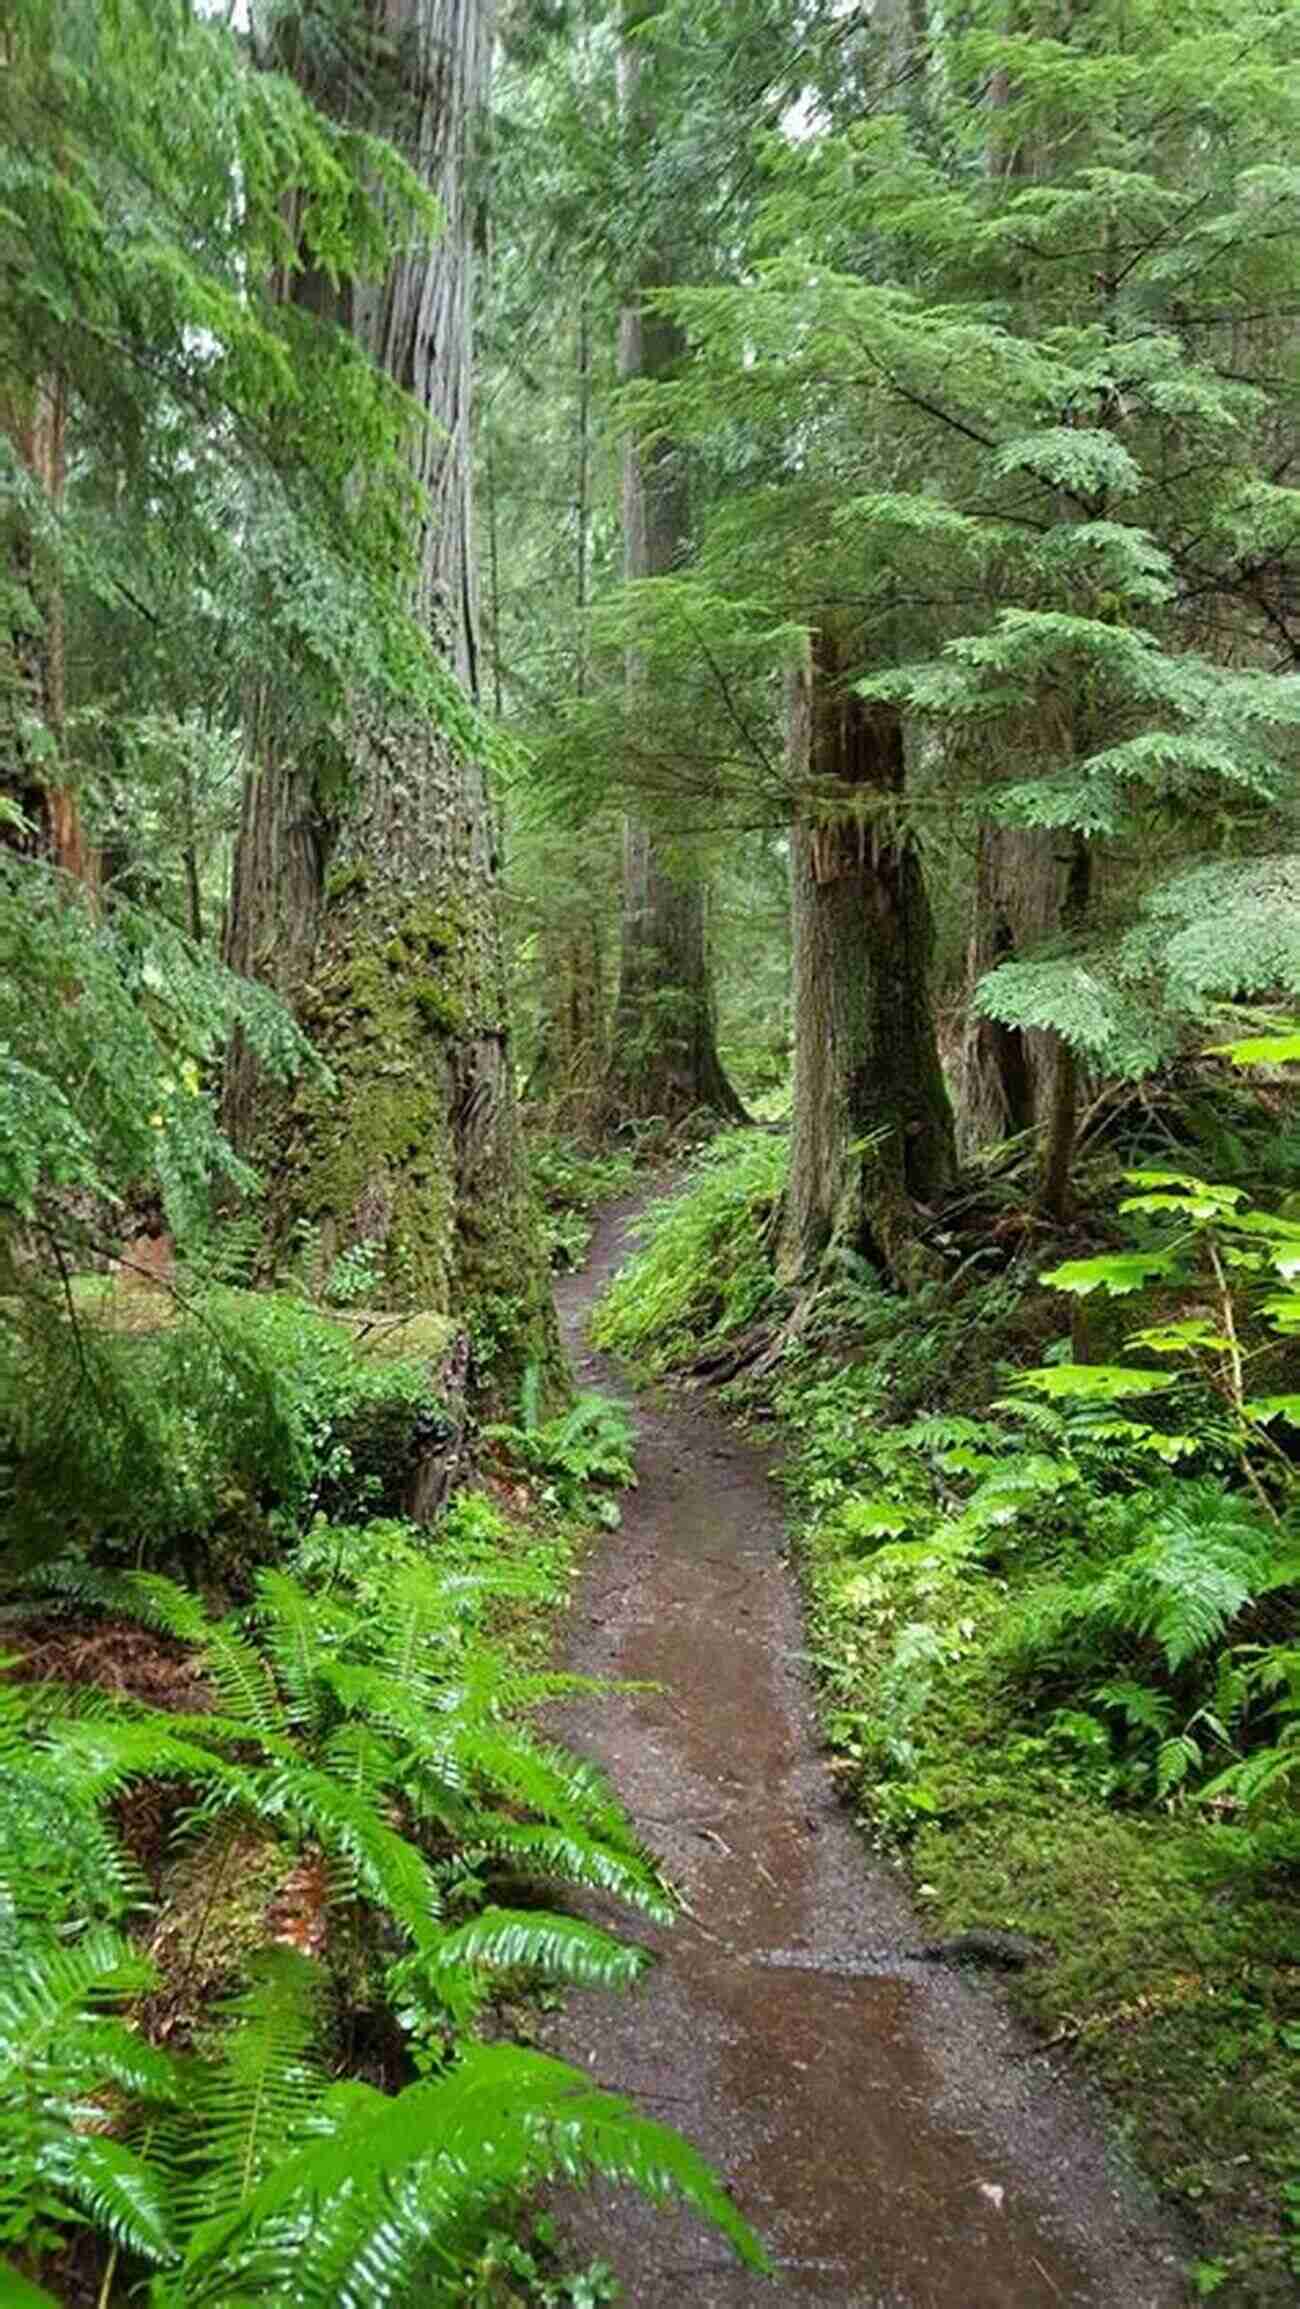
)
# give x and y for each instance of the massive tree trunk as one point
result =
(382, 920)
(664, 1055)
(873, 1134)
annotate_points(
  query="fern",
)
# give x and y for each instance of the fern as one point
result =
(1201, 1558)
(377, 2208)
(249, 2098)
(554, 1947)
(546, 1852)
(61, 2047)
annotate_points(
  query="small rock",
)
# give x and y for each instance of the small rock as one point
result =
(1000, 1951)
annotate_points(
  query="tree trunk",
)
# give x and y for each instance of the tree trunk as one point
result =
(873, 1133)
(664, 1056)
(383, 921)
(568, 1068)
(1063, 1103)
(34, 415)
(1005, 1074)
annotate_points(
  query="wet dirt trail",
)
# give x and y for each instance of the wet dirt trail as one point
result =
(880, 2120)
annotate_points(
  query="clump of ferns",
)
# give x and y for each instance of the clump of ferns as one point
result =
(245, 2172)
(388, 1737)
(371, 1723)
(1139, 1617)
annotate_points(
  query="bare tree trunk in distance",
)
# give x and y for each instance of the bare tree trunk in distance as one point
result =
(1004, 1079)
(1063, 1104)
(664, 1055)
(873, 1133)
(383, 921)
(34, 415)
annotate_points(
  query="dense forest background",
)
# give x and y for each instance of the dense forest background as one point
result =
(576, 577)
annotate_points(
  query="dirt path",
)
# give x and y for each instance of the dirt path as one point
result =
(879, 2120)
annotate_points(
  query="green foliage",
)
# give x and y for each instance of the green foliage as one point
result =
(579, 1454)
(250, 1411)
(106, 1029)
(570, 1180)
(240, 505)
(260, 2178)
(363, 1718)
(63, 2046)
(1174, 1569)
(388, 2197)
(704, 1272)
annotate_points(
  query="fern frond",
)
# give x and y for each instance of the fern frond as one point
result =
(56, 1853)
(557, 1947)
(348, 1827)
(295, 1627)
(253, 2099)
(46, 1988)
(564, 1789)
(399, 2176)
(556, 1855)
(242, 1680)
(117, 2189)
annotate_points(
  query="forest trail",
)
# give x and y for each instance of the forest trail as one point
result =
(878, 2119)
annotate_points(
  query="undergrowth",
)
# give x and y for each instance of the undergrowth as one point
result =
(279, 1842)
(704, 1271)
(570, 1180)
(1050, 1540)
(249, 1411)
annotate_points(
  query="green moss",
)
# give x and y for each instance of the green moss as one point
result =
(422, 1338)
(440, 1009)
(374, 1156)
(1175, 1979)
(436, 930)
(350, 880)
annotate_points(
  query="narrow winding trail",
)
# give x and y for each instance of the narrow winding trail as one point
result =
(880, 2121)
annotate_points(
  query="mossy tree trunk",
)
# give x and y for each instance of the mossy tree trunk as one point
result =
(663, 1047)
(381, 916)
(873, 1132)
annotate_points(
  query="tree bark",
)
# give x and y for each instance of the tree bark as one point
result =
(34, 415)
(1063, 1102)
(663, 1054)
(382, 918)
(1004, 1081)
(873, 1134)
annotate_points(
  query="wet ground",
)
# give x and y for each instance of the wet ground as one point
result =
(880, 2120)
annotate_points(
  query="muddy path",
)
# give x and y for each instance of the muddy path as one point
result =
(881, 2121)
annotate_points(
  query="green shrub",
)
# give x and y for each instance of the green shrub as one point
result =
(248, 1412)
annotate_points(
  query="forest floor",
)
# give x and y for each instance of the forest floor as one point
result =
(897, 2138)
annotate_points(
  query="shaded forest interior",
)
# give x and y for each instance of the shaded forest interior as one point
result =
(689, 595)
